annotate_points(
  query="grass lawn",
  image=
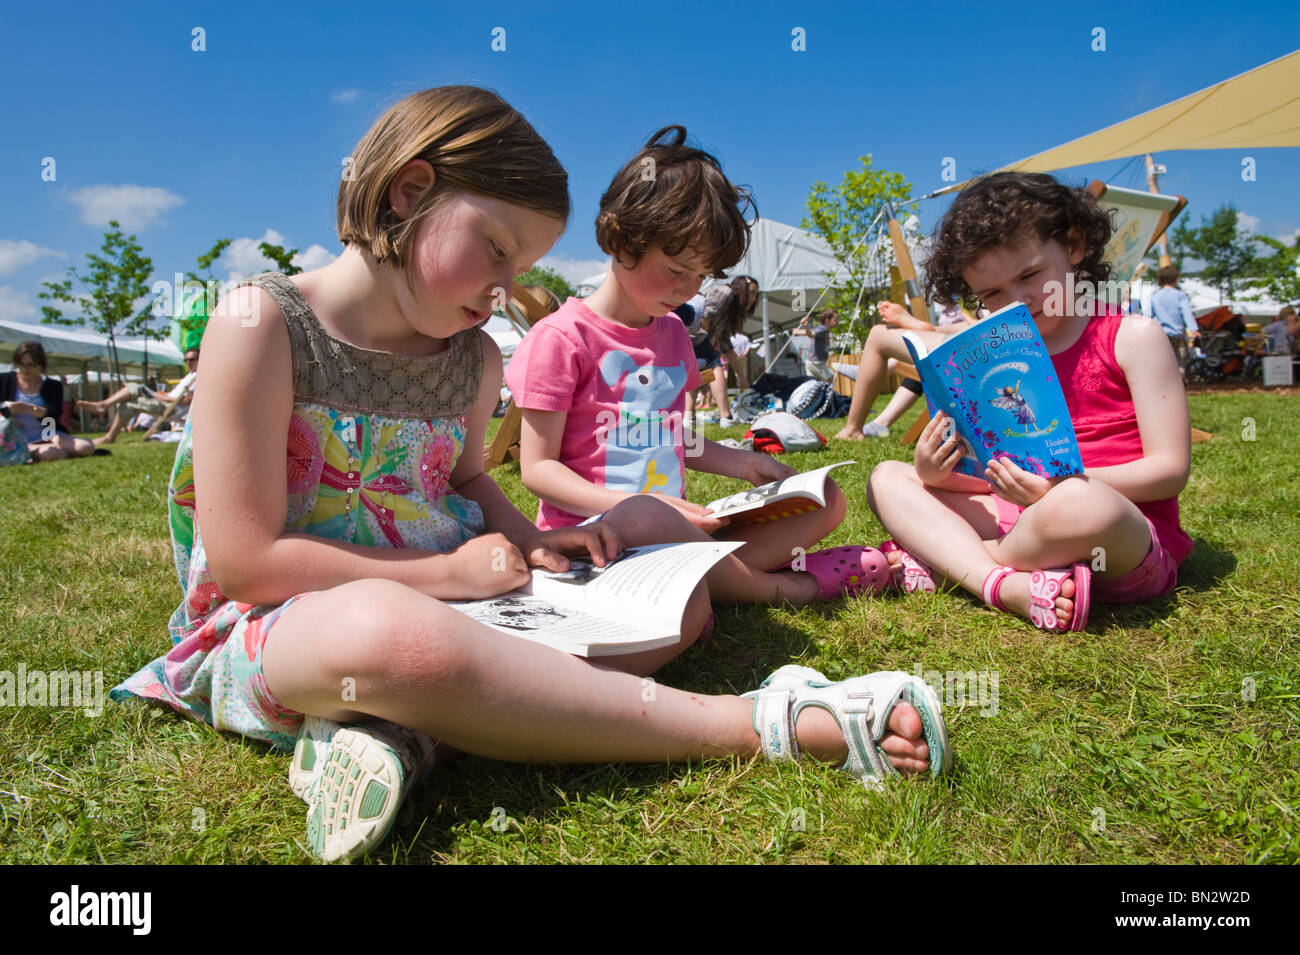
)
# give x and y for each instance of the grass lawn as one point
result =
(1166, 733)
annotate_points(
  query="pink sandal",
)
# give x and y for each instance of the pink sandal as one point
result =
(916, 576)
(845, 571)
(1044, 588)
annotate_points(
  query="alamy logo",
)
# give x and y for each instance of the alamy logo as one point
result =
(102, 908)
(78, 689)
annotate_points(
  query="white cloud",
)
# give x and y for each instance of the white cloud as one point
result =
(17, 253)
(314, 257)
(345, 96)
(1247, 223)
(573, 270)
(243, 257)
(17, 306)
(134, 207)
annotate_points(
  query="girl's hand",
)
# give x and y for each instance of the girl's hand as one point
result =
(486, 566)
(1013, 483)
(546, 548)
(763, 469)
(697, 514)
(935, 458)
(23, 407)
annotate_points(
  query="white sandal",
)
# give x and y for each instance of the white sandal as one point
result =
(861, 706)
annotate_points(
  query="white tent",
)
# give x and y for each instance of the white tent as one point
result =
(790, 266)
(82, 354)
(1206, 298)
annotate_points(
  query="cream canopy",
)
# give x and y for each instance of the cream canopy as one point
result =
(1256, 109)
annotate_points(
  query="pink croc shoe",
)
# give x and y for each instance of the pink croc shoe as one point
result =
(841, 571)
(916, 576)
(1044, 588)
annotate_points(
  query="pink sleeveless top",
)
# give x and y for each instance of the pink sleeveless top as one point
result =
(1101, 406)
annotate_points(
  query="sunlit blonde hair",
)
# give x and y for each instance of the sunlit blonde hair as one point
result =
(475, 142)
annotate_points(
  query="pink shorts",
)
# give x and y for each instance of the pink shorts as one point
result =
(1156, 576)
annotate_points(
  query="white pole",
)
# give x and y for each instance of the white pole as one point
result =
(767, 336)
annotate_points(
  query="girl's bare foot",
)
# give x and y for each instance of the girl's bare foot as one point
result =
(849, 433)
(821, 737)
(1014, 594)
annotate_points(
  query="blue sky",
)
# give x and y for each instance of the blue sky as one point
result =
(247, 136)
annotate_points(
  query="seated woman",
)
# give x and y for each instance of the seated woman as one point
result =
(145, 400)
(884, 348)
(36, 404)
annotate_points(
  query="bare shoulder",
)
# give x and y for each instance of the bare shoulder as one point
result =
(1141, 343)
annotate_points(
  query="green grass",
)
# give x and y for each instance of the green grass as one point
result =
(1140, 722)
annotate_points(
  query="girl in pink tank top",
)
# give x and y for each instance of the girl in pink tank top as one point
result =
(1036, 547)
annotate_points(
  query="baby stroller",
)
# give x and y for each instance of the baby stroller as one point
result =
(1219, 353)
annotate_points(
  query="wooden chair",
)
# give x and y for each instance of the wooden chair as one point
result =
(167, 411)
(528, 305)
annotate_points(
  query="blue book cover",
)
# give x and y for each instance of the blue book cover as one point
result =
(997, 383)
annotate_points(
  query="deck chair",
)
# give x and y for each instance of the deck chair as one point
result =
(167, 413)
(527, 306)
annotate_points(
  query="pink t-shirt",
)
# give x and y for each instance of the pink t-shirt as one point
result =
(624, 390)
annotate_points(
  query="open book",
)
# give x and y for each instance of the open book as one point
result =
(996, 381)
(632, 604)
(770, 502)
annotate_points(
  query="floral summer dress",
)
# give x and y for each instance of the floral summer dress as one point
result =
(372, 441)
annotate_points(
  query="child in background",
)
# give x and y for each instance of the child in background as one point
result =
(328, 496)
(1015, 237)
(601, 384)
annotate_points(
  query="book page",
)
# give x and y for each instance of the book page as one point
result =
(564, 628)
(810, 484)
(646, 589)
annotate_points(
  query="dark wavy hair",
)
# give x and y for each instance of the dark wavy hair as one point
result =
(1001, 211)
(672, 195)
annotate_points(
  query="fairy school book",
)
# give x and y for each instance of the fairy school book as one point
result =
(996, 381)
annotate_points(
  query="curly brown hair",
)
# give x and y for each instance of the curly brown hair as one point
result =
(672, 195)
(1000, 211)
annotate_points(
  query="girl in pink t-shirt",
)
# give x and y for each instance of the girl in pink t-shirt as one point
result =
(603, 382)
(1112, 532)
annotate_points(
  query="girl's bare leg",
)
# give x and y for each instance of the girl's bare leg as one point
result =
(883, 343)
(957, 534)
(747, 576)
(718, 389)
(898, 405)
(416, 662)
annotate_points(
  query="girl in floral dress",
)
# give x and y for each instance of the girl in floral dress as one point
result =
(328, 495)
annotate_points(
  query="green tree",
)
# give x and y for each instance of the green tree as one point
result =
(206, 260)
(116, 293)
(283, 259)
(842, 217)
(548, 278)
(1280, 272)
(1226, 249)
(191, 315)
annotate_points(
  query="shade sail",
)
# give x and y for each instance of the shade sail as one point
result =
(1256, 109)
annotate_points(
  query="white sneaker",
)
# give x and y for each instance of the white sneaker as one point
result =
(365, 778)
(310, 751)
(874, 429)
(726, 423)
